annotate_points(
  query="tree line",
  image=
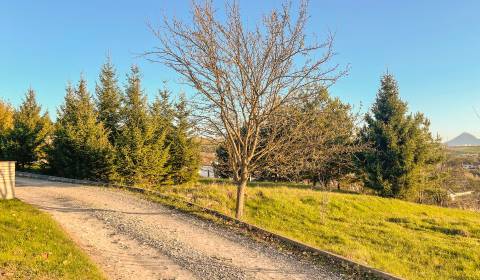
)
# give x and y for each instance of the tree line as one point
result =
(114, 136)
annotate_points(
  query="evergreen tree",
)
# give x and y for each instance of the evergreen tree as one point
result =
(80, 144)
(402, 148)
(31, 133)
(162, 115)
(162, 112)
(108, 99)
(141, 151)
(221, 168)
(184, 149)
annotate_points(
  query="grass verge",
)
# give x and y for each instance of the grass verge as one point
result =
(406, 239)
(33, 246)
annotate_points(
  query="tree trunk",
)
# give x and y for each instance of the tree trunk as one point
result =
(241, 186)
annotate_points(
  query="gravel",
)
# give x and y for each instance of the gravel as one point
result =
(131, 238)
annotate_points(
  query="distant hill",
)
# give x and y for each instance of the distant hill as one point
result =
(464, 139)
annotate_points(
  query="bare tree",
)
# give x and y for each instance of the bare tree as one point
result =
(243, 77)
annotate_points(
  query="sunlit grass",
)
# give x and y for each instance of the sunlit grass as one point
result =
(407, 239)
(462, 150)
(33, 246)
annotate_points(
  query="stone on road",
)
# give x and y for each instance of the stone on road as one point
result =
(131, 238)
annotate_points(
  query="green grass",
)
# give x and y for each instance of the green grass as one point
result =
(33, 246)
(407, 239)
(461, 150)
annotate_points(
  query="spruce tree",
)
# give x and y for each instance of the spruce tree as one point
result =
(80, 144)
(141, 152)
(30, 134)
(221, 168)
(402, 147)
(184, 149)
(162, 115)
(108, 100)
(162, 112)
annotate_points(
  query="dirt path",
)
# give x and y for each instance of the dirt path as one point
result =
(131, 238)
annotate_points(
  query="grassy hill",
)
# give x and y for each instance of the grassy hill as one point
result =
(407, 239)
(33, 246)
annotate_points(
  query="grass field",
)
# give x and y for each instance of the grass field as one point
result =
(33, 246)
(407, 239)
(461, 150)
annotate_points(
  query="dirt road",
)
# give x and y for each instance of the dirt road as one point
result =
(131, 238)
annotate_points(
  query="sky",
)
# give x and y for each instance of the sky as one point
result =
(432, 48)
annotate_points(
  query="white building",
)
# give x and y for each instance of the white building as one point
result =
(206, 171)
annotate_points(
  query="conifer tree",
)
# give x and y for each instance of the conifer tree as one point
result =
(80, 144)
(30, 134)
(402, 147)
(221, 168)
(184, 149)
(163, 113)
(108, 100)
(141, 152)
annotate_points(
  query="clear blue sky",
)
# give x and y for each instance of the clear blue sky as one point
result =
(433, 48)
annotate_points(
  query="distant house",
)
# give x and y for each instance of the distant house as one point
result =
(471, 166)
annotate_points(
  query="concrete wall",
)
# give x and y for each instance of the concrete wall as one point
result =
(7, 179)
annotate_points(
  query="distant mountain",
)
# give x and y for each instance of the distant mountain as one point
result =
(464, 139)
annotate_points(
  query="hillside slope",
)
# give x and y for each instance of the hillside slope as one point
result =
(407, 239)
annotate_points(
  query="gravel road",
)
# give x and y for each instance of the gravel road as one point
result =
(131, 238)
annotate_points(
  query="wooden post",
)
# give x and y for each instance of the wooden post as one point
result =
(7, 179)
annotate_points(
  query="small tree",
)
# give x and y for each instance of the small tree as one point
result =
(80, 144)
(403, 150)
(325, 140)
(6, 126)
(221, 168)
(141, 151)
(322, 147)
(244, 77)
(108, 100)
(31, 133)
